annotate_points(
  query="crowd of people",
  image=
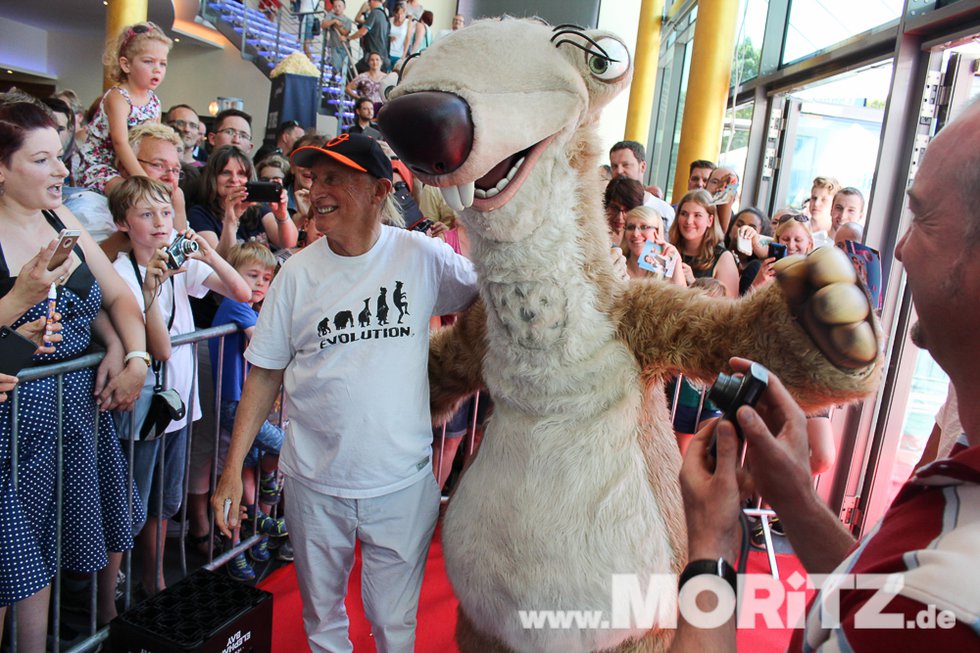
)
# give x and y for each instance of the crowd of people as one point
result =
(172, 242)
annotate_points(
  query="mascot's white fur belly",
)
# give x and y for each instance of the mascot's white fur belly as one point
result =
(570, 506)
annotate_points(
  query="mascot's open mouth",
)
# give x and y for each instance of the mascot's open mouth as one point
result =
(501, 183)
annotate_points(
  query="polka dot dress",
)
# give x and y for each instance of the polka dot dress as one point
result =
(95, 514)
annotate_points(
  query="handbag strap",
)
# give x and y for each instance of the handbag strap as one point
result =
(156, 365)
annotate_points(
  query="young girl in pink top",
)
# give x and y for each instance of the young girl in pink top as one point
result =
(138, 63)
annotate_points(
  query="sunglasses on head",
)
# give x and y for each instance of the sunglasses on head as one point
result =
(799, 217)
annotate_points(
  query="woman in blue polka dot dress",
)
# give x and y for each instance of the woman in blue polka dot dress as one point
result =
(95, 510)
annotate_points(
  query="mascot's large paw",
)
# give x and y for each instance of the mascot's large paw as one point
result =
(825, 296)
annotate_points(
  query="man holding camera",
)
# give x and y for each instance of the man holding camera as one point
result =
(927, 543)
(358, 445)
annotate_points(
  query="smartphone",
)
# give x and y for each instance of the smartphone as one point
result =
(777, 251)
(421, 225)
(263, 191)
(66, 241)
(16, 351)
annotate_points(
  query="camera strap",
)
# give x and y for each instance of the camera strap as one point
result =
(158, 383)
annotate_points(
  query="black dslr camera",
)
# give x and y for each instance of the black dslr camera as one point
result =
(178, 250)
(731, 392)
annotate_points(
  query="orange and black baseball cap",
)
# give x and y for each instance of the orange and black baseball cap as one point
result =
(356, 151)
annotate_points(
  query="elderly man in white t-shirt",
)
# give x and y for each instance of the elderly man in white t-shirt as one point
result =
(345, 329)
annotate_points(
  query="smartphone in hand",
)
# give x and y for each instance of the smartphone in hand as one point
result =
(262, 191)
(66, 241)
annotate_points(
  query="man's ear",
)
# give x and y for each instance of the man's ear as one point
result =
(383, 189)
(211, 138)
(122, 226)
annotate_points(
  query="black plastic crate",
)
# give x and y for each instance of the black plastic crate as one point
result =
(207, 612)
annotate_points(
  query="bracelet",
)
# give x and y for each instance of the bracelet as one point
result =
(280, 221)
(717, 567)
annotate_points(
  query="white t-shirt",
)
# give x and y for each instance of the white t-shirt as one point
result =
(665, 210)
(180, 367)
(352, 334)
(397, 35)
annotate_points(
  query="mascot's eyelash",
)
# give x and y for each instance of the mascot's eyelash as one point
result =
(405, 65)
(573, 29)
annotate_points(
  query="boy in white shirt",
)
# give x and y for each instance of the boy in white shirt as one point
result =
(143, 210)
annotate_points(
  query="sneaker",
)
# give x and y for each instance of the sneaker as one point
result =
(270, 489)
(260, 552)
(271, 526)
(285, 552)
(240, 570)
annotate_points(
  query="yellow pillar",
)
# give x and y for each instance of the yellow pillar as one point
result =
(707, 87)
(119, 14)
(644, 71)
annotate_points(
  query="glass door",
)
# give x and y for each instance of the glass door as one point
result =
(921, 386)
(830, 129)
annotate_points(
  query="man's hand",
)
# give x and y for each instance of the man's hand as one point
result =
(711, 494)
(229, 489)
(778, 464)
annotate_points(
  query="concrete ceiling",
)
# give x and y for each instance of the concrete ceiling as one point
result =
(82, 16)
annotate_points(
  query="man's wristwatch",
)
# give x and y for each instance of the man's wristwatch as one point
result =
(142, 355)
(717, 567)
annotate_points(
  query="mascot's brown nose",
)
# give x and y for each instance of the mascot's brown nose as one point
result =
(430, 130)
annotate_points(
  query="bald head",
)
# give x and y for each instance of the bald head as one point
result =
(848, 231)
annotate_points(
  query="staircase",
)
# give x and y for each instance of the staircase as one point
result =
(265, 43)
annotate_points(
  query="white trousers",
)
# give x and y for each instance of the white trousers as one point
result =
(395, 531)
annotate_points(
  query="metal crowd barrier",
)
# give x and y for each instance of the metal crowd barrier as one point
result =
(95, 636)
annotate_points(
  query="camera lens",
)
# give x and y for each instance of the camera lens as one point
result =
(188, 246)
(724, 391)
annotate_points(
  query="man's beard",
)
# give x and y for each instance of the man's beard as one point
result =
(917, 336)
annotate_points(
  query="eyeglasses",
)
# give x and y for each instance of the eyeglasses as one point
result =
(642, 227)
(799, 217)
(183, 124)
(162, 169)
(232, 133)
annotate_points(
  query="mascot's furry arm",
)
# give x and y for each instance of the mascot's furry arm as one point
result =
(456, 362)
(673, 330)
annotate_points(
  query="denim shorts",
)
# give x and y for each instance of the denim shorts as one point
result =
(268, 440)
(146, 456)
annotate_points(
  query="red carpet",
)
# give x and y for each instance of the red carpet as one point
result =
(437, 609)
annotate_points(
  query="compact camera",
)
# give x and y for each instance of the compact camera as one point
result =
(178, 250)
(731, 392)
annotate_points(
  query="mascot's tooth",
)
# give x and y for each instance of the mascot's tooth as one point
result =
(451, 195)
(492, 192)
(513, 171)
(502, 184)
(466, 193)
(480, 193)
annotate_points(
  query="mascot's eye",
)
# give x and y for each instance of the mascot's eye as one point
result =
(613, 64)
(388, 83)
